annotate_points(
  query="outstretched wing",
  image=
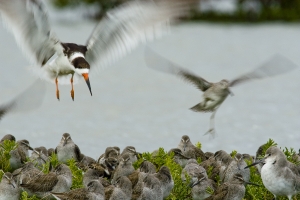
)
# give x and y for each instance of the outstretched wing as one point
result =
(278, 64)
(28, 100)
(134, 22)
(28, 22)
(155, 61)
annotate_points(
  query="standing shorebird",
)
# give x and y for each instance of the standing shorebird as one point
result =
(278, 174)
(215, 93)
(67, 149)
(189, 150)
(117, 34)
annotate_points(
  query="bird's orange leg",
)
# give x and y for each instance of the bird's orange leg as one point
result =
(72, 91)
(57, 91)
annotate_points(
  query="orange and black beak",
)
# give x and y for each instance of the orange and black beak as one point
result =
(87, 80)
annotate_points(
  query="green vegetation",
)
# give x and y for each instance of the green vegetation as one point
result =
(5, 148)
(274, 10)
(181, 189)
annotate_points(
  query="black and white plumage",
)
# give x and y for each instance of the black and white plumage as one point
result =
(122, 29)
(214, 94)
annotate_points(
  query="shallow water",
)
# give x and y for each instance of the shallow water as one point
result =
(138, 106)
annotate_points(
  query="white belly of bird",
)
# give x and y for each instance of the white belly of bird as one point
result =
(61, 68)
(276, 183)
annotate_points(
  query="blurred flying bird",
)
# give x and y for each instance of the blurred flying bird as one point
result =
(215, 93)
(121, 30)
(28, 100)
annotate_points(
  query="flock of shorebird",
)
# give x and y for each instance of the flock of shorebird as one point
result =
(121, 30)
(219, 176)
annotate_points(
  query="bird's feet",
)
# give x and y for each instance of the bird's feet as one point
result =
(57, 94)
(72, 94)
(211, 132)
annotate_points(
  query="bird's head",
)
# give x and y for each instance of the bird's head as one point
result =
(224, 83)
(82, 67)
(76, 56)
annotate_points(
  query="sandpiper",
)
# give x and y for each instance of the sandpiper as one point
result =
(147, 167)
(124, 168)
(276, 174)
(236, 167)
(26, 173)
(19, 155)
(94, 191)
(109, 165)
(122, 190)
(90, 175)
(109, 152)
(215, 93)
(7, 137)
(233, 189)
(58, 181)
(136, 178)
(8, 188)
(179, 158)
(166, 180)
(189, 150)
(85, 162)
(192, 169)
(152, 188)
(131, 151)
(39, 156)
(67, 149)
(116, 35)
(200, 185)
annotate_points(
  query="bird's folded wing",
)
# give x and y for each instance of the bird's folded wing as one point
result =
(278, 64)
(43, 183)
(134, 22)
(28, 22)
(155, 61)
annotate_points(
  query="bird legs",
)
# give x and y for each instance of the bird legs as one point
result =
(212, 125)
(57, 91)
(72, 90)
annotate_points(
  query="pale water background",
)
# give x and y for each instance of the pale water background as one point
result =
(135, 105)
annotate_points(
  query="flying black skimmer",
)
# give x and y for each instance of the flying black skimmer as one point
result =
(122, 29)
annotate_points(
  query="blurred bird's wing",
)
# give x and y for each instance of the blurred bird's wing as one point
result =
(28, 100)
(155, 61)
(278, 64)
(28, 21)
(134, 22)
